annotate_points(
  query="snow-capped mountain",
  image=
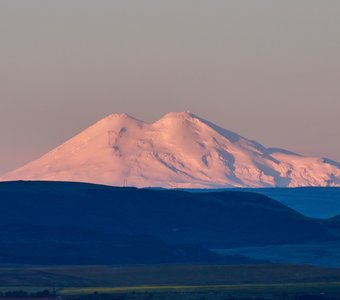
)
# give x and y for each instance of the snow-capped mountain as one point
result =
(178, 150)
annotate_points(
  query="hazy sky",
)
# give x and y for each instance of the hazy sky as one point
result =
(269, 70)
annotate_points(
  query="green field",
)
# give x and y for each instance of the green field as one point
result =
(331, 288)
(183, 275)
(174, 281)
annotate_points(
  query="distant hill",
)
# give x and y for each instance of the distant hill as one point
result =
(316, 202)
(211, 220)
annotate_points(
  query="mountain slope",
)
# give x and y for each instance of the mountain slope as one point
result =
(315, 202)
(53, 245)
(212, 220)
(179, 150)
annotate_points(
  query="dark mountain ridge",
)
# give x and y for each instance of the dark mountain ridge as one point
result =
(213, 220)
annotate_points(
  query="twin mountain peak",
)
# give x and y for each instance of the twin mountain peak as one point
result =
(180, 150)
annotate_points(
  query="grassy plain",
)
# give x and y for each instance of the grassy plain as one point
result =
(330, 288)
(274, 281)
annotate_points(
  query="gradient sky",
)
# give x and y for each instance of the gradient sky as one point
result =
(268, 70)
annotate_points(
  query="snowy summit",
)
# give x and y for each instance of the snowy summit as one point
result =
(179, 150)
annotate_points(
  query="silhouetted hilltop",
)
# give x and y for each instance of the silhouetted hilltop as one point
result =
(213, 220)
